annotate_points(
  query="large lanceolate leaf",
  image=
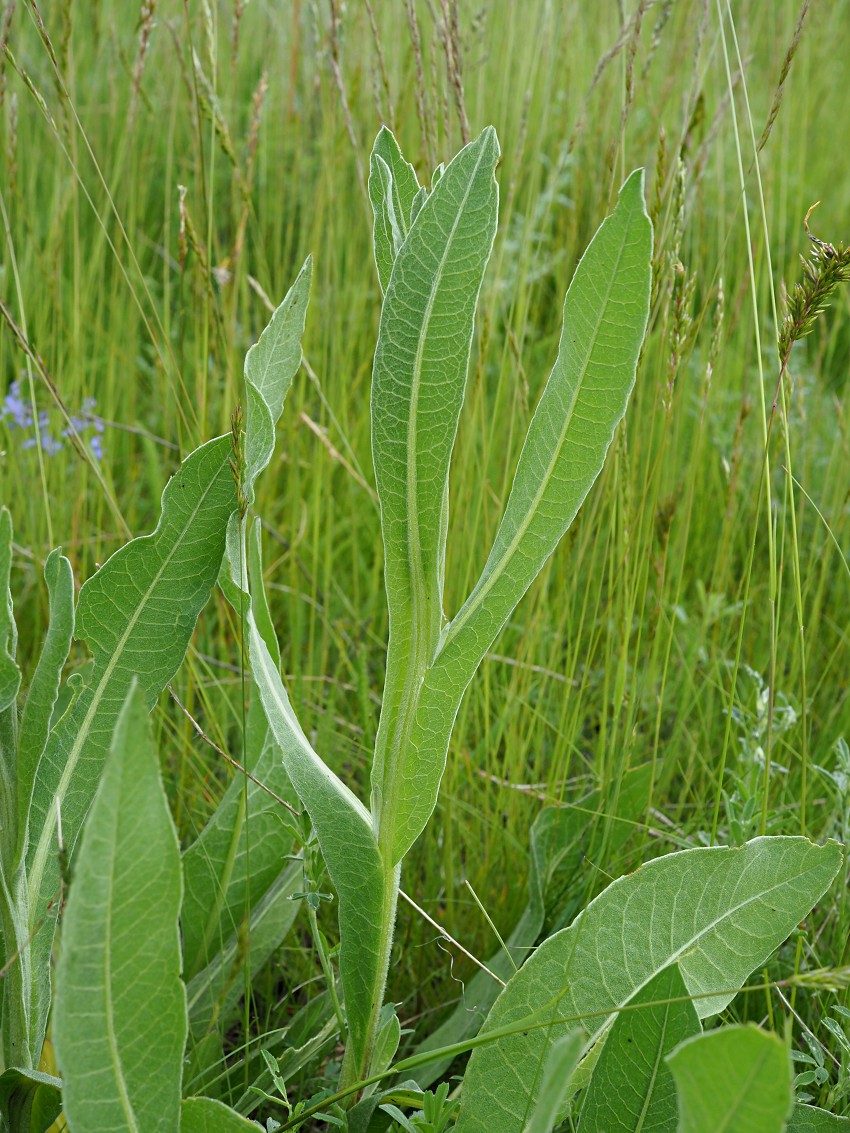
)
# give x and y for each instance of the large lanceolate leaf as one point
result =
(137, 615)
(718, 913)
(632, 1088)
(393, 187)
(735, 1079)
(560, 837)
(810, 1119)
(350, 849)
(120, 1015)
(605, 316)
(418, 386)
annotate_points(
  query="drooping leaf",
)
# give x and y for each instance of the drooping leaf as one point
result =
(810, 1119)
(137, 614)
(717, 912)
(29, 1100)
(344, 830)
(632, 1088)
(737, 1079)
(238, 855)
(418, 386)
(205, 1115)
(44, 689)
(393, 186)
(605, 317)
(120, 1015)
(560, 836)
(561, 1062)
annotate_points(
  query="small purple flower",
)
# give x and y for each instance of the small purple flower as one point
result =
(16, 413)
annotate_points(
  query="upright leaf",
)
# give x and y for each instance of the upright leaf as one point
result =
(632, 1090)
(560, 1066)
(717, 912)
(137, 615)
(735, 1079)
(393, 187)
(418, 386)
(120, 1015)
(605, 316)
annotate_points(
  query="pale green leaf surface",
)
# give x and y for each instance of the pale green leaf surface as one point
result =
(733, 1080)
(270, 365)
(717, 912)
(418, 386)
(632, 1090)
(605, 315)
(137, 615)
(44, 689)
(119, 1022)
(344, 829)
(206, 1115)
(561, 1063)
(393, 187)
(560, 836)
(810, 1119)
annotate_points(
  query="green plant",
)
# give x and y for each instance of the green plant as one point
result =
(653, 955)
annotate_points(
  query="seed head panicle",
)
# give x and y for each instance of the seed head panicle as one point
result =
(828, 266)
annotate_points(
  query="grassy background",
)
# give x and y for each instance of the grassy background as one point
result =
(652, 635)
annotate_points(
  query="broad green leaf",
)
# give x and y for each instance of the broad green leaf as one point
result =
(393, 186)
(632, 1089)
(44, 689)
(120, 1017)
(10, 674)
(344, 830)
(137, 615)
(605, 316)
(418, 386)
(29, 1100)
(735, 1079)
(560, 836)
(215, 990)
(810, 1119)
(560, 1066)
(205, 1115)
(717, 912)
